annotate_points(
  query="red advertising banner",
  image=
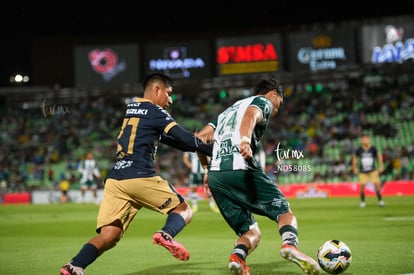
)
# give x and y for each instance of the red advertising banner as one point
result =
(17, 198)
(249, 54)
(343, 189)
(310, 190)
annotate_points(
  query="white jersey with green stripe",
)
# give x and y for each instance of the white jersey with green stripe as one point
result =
(226, 150)
(196, 167)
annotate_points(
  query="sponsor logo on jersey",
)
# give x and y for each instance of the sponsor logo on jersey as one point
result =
(137, 112)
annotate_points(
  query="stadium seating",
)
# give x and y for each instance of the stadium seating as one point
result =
(333, 128)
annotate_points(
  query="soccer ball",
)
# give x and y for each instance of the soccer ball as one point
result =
(334, 256)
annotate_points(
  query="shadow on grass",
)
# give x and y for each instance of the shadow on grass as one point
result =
(188, 269)
(199, 268)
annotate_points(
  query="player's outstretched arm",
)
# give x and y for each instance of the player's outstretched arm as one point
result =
(207, 136)
(182, 139)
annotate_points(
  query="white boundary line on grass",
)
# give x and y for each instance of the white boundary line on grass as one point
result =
(403, 218)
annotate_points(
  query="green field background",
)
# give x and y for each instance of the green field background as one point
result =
(38, 239)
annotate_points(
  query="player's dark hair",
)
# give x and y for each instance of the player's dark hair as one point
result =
(151, 77)
(267, 84)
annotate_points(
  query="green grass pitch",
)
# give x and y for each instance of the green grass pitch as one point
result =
(38, 239)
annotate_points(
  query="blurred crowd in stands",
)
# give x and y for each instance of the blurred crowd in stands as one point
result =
(322, 129)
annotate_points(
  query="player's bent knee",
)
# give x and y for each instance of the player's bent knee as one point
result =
(185, 211)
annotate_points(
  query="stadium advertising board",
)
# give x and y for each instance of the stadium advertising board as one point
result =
(390, 42)
(318, 51)
(338, 189)
(301, 190)
(180, 60)
(249, 54)
(106, 65)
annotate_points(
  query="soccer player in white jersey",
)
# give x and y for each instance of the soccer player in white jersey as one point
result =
(89, 171)
(238, 183)
(196, 176)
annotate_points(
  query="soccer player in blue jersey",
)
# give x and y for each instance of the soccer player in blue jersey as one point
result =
(364, 164)
(238, 183)
(133, 184)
